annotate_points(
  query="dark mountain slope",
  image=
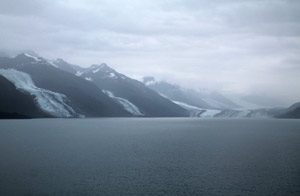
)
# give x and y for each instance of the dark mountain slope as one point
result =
(63, 65)
(5, 115)
(14, 101)
(85, 98)
(292, 112)
(212, 100)
(149, 102)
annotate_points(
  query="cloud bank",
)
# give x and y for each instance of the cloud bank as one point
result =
(237, 46)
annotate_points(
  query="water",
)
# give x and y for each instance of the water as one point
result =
(149, 157)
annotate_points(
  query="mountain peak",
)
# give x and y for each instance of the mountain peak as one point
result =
(29, 56)
(100, 67)
(59, 60)
(147, 80)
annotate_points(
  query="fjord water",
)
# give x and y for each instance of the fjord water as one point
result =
(140, 156)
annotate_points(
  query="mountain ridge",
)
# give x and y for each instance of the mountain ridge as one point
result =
(149, 102)
(56, 88)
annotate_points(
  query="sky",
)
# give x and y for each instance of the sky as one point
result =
(245, 47)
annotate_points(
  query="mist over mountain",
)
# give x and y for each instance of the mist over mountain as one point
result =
(148, 101)
(210, 100)
(57, 92)
(249, 48)
(150, 97)
(55, 88)
(291, 112)
(212, 104)
(263, 100)
(259, 97)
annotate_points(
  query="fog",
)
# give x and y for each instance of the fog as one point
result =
(236, 47)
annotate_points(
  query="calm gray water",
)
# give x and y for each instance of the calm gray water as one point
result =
(149, 157)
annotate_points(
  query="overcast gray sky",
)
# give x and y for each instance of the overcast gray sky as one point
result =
(235, 46)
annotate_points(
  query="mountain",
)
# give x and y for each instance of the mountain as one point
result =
(213, 100)
(15, 101)
(63, 65)
(131, 94)
(5, 115)
(57, 93)
(32, 86)
(292, 112)
(212, 104)
(228, 113)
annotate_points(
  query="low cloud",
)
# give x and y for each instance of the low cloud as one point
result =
(239, 46)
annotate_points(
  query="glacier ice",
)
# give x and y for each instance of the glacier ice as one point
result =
(127, 105)
(234, 113)
(51, 102)
(196, 111)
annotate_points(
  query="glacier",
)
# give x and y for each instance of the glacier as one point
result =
(226, 113)
(127, 105)
(196, 111)
(50, 102)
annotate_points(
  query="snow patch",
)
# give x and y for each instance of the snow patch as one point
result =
(95, 71)
(33, 57)
(127, 105)
(99, 66)
(151, 82)
(88, 78)
(50, 102)
(103, 65)
(111, 75)
(209, 113)
(167, 97)
(78, 73)
(51, 62)
(186, 106)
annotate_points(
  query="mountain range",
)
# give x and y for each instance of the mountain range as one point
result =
(32, 86)
(57, 92)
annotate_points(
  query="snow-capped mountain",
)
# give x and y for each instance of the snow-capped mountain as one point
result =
(211, 100)
(103, 71)
(127, 105)
(36, 87)
(207, 105)
(132, 92)
(63, 65)
(56, 92)
(55, 104)
(16, 101)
